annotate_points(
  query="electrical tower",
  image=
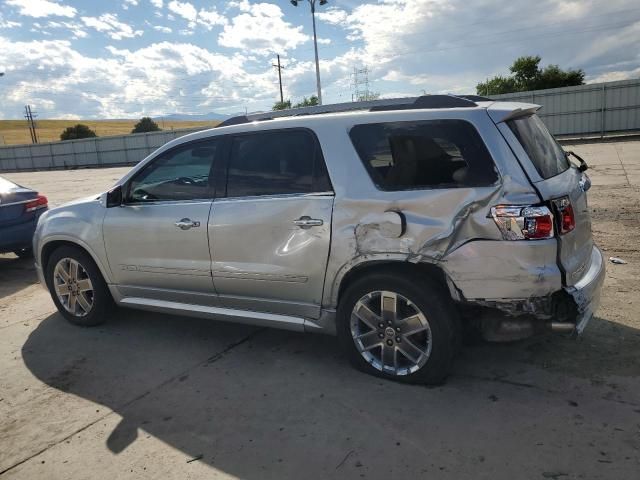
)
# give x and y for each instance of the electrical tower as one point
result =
(360, 86)
(31, 116)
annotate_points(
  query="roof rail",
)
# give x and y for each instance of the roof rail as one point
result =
(408, 103)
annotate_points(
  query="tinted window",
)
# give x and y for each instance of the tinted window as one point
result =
(275, 163)
(543, 150)
(180, 174)
(426, 154)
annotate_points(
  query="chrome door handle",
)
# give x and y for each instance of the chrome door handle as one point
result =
(186, 224)
(308, 222)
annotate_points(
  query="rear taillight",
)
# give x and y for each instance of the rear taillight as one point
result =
(36, 204)
(564, 212)
(523, 222)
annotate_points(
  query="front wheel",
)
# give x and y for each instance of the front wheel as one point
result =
(77, 287)
(398, 327)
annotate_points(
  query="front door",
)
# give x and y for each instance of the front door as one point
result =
(270, 234)
(157, 242)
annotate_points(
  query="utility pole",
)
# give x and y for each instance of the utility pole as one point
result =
(312, 3)
(279, 67)
(30, 116)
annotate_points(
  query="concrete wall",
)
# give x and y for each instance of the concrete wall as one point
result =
(594, 109)
(88, 152)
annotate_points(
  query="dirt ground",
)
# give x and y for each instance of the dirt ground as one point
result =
(158, 396)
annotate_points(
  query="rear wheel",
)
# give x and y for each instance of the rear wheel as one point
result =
(77, 287)
(400, 328)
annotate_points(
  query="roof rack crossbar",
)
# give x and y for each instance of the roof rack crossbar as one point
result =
(408, 103)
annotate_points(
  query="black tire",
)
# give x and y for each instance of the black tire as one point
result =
(436, 305)
(102, 300)
(24, 253)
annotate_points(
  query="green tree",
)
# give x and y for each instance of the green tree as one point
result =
(77, 131)
(307, 102)
(526, 74)
(146, 124)
(286, 105)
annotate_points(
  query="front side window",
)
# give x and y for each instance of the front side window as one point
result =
(274, 163)
(183, 173)
(543, 150)
(424, 154)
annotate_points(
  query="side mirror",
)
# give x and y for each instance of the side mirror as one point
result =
(114, 197)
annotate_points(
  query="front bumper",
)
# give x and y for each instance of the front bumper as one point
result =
(586, 293)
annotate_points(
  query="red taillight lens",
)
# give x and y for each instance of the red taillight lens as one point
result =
(36, 204)
(523, 223)
(538, 227)
(566, 218)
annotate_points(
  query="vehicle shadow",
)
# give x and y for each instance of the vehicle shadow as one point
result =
(15, 274)
(261, 403)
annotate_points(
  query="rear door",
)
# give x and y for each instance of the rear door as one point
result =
(270, 232)
(557, 180)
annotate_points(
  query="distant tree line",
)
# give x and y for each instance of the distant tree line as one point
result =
(526, 75)
(146, 124)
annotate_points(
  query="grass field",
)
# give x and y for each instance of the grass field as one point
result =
(15, 132)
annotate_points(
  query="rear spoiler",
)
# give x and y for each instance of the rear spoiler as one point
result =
(503, 111)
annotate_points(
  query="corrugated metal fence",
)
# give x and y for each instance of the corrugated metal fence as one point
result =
(594, 109)
(598, 108)
(88, 152)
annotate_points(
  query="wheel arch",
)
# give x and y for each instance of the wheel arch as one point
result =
(426, 270)
(50, 246)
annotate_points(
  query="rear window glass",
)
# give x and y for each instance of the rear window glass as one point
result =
(424, 154)
(543, 150)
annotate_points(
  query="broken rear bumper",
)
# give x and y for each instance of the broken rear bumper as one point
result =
(516, 291)
(586, 293)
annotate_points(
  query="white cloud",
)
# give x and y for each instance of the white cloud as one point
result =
(184, 9)
(109, 24)
(8, 23)
(42, 8)
(157, 3)
(129, 3)
(76, 29)
(127, 83)
(261, 29)
(161, 28)
(207, 18)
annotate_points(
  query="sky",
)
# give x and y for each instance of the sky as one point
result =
(129, 58)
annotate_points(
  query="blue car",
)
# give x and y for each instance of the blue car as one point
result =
(20, 208)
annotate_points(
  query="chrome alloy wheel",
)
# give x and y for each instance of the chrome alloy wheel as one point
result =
(73, 287)
(391, 333)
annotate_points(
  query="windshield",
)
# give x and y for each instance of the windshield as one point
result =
(543, 150)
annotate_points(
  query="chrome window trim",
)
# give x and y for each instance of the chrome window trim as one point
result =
(277, 196)
(167, 202)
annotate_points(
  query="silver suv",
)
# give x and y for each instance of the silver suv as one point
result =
(393, 224)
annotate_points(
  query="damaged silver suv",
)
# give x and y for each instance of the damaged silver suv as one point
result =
(393, 224)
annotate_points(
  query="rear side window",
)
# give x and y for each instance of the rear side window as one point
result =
(543, 150)
(275, 163)
(424, 154)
